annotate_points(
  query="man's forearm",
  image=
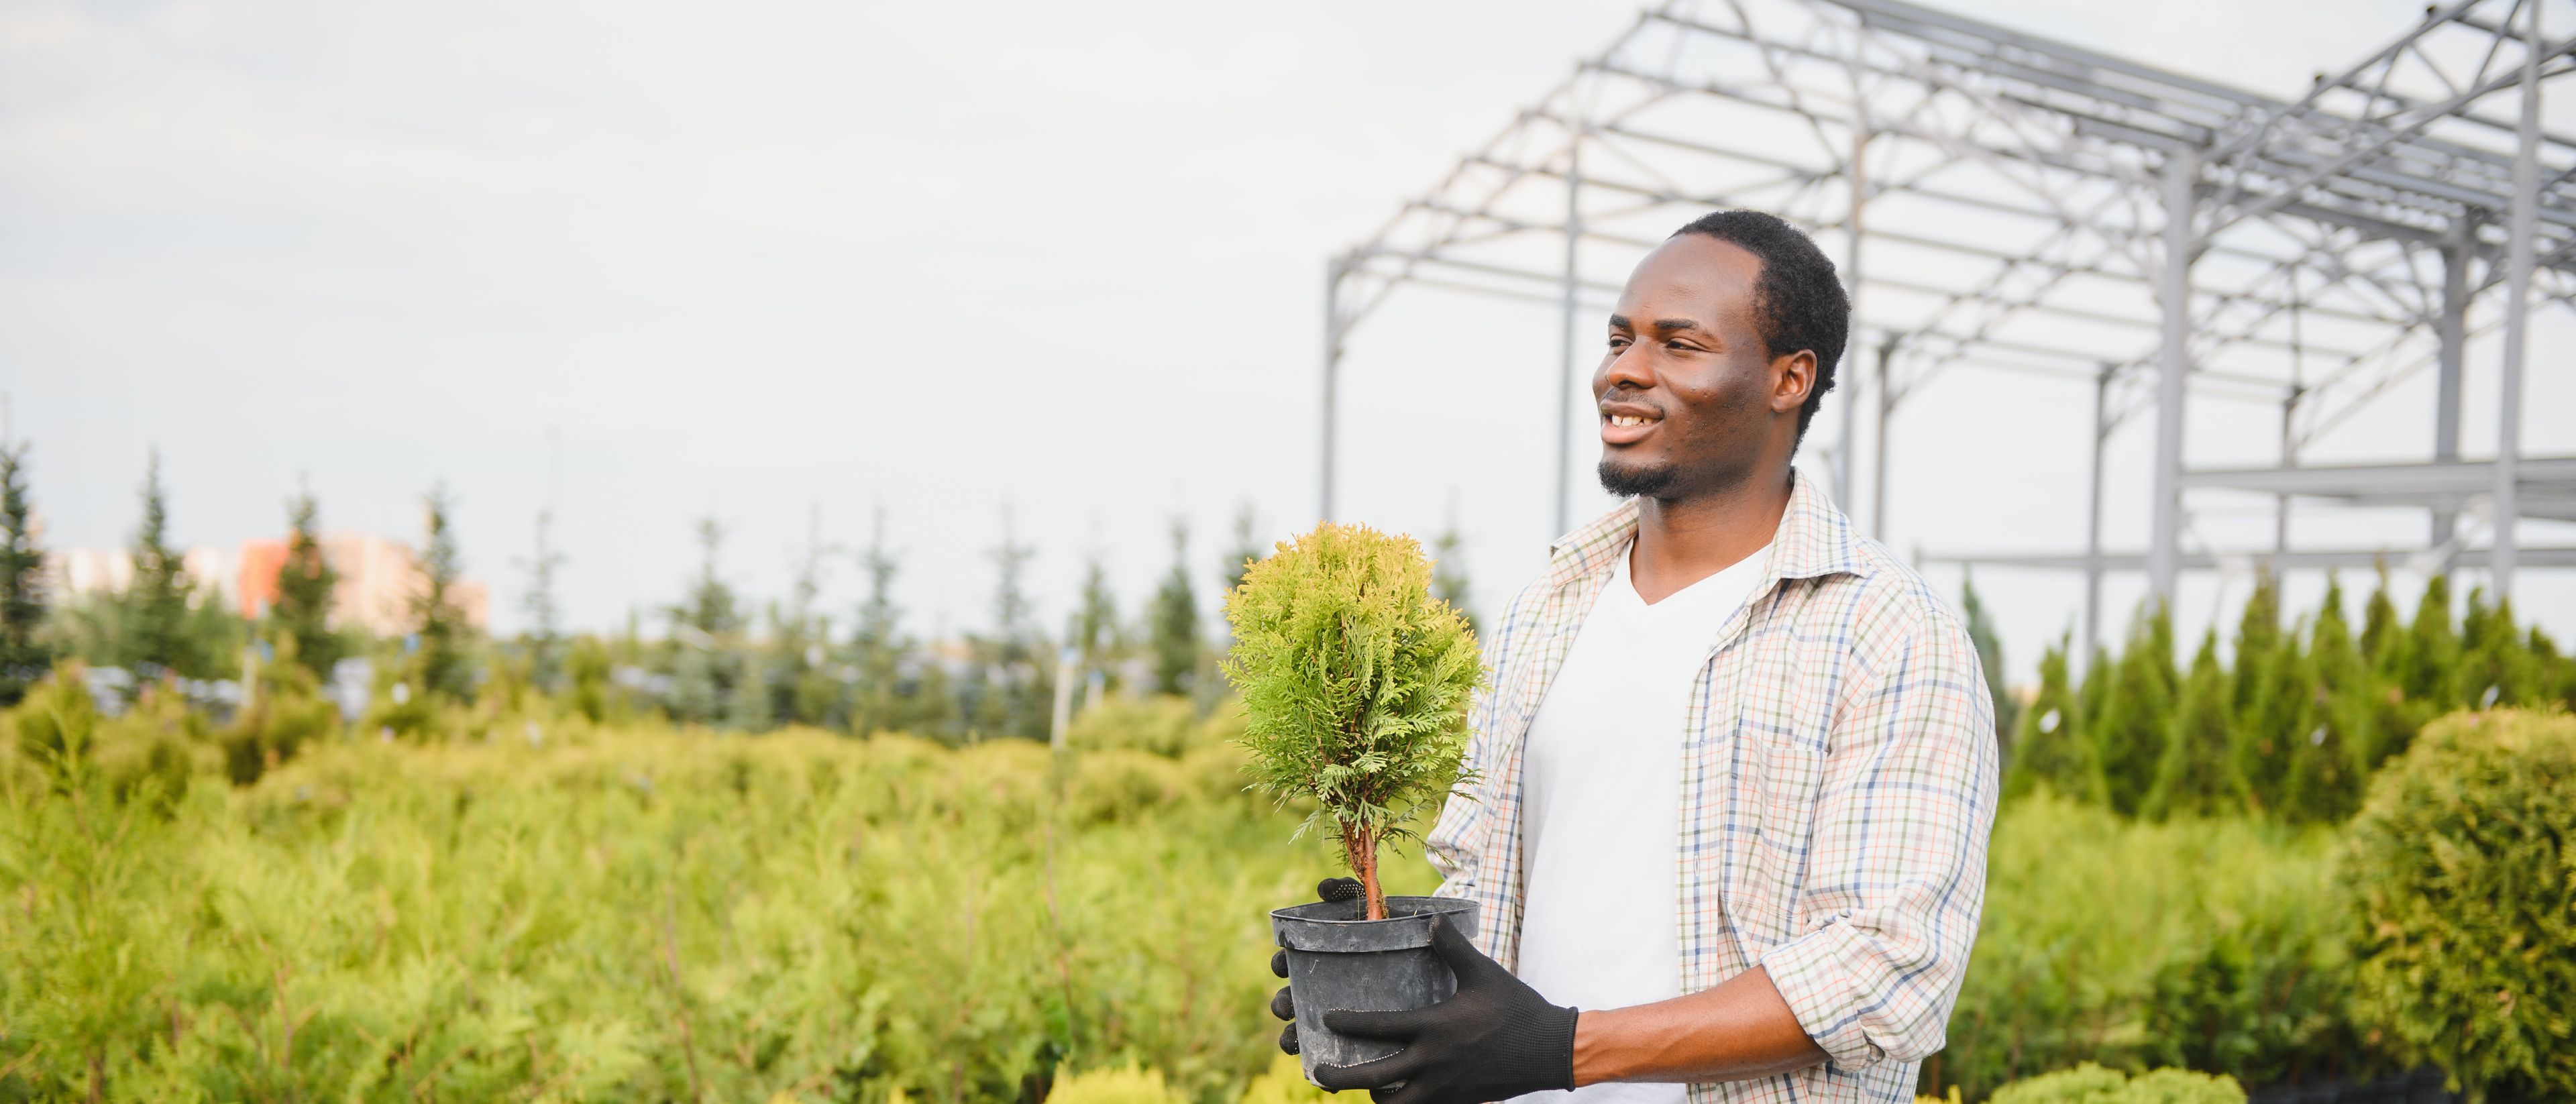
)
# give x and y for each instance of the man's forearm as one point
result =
(1738, 1030)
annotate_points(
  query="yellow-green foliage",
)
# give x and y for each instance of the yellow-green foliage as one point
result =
(2463, 864)
(621, 915)
(2213, 944)
(152, 753)
(1284, 1083)
(2092, 1084)
(1161, 724)
(1355, 681)
(1125, 1084)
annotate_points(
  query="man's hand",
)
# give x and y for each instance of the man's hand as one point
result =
(1496, 1039)
(1330, 889)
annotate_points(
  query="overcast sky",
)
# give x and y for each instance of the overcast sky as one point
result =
(750, 260)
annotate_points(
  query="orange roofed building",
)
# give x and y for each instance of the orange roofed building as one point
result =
(379, 581)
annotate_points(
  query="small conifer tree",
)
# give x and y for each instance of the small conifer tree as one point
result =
(2049, 743)
(1990, 659)
(2135, 716)
(2198, 775)
(2431, 651)
(1172, 621)
(155, 614)
(545, 616)
(1011, 683)
(1449, 572)
(440, 660)
(878, 645)
(2330, 766)
(1355, 684)
(1097, 639)
(300, 621)
(24, 656)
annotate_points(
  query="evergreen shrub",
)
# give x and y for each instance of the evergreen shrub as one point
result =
(2462, 866)
(1125, 1084)
(1283, 1083)
(1355, 682)
(2092, 1084)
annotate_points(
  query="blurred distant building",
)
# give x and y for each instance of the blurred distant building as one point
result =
(380, 578)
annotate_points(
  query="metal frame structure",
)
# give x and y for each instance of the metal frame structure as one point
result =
(2006, 202)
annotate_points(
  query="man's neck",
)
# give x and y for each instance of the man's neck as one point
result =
(1682, 541)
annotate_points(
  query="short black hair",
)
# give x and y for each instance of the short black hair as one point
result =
(1798, 301)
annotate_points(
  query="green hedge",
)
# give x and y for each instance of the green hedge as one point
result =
(2211, 944)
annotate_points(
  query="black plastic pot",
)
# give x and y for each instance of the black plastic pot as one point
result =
(1338, 962)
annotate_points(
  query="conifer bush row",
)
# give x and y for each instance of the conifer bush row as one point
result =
(2291, 726)
(2213, 944)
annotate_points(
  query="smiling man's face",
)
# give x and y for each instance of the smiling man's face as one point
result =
(1691, 400)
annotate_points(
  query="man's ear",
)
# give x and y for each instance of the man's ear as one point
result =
(1793, 378)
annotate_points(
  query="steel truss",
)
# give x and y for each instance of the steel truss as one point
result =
(2006, 202)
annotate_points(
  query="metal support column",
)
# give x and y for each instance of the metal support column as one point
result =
(1847, 448)
(2093, 522)
(1886, 413)
(2290, 416)
(2517, 314)
(2289, 459)
(2164, 544)
(1333, 270)
(1857, 178)
(2453, 331)
(1565, 373)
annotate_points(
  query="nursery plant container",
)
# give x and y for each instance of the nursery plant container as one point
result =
(1338, 962)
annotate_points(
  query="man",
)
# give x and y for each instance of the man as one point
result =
(1736, 769)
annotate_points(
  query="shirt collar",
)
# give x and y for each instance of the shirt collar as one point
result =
(1814, 540)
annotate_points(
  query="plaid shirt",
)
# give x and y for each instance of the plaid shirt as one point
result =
(1838, 785)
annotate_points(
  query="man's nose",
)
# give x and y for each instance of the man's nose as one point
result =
(1622, 367)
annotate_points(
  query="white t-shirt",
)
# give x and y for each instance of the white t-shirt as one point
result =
(1601, 805)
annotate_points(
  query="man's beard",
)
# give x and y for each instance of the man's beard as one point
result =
(1637, 481)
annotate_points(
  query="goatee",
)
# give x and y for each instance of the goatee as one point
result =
(1643, 481)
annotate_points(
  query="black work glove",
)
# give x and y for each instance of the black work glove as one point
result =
(1496, 1039)
(1330, 889)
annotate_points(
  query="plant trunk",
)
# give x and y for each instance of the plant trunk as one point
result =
(1359, 848)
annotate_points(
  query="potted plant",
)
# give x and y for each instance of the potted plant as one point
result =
(1355, 685)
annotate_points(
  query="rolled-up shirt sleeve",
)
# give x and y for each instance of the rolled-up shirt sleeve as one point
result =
(1897, 864)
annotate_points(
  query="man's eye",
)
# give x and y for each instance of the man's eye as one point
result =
(1618, 342)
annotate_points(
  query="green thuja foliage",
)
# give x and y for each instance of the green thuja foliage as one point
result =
(2198, 775)
(2271, 697)
(2380, 627)
(2092, 1084)
(2328, 766)
(1355, 684)
(2458, 866)
(1990, 658)
(2429, 652)
(2497, 665)
(2136, 715)
(2049, 743)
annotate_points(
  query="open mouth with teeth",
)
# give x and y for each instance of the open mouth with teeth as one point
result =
(1619, 427)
